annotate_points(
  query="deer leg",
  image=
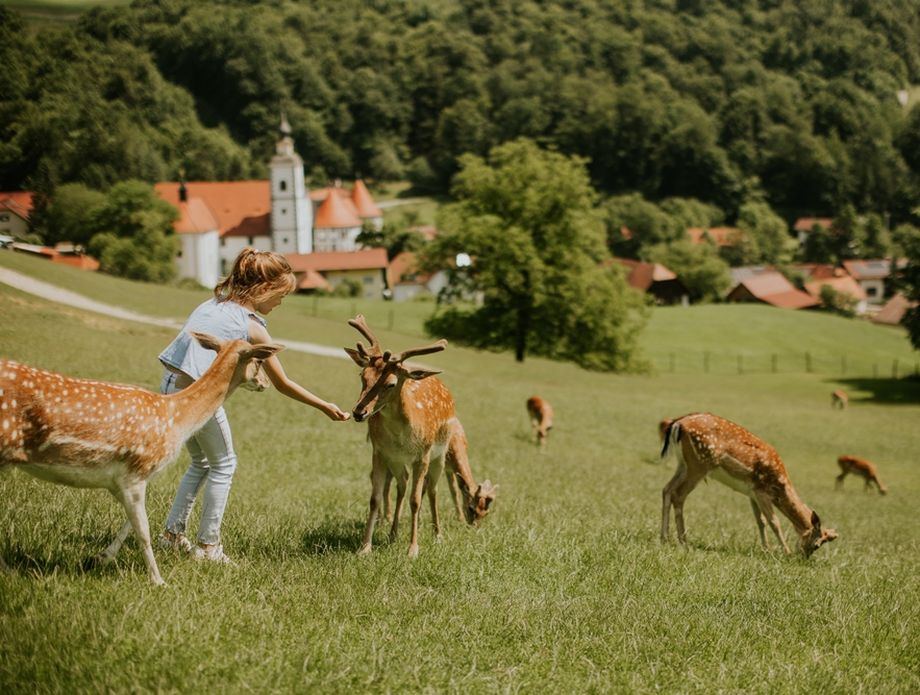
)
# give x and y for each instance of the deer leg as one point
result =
(761, 524)
(384, 511)
(432, 479)
(677, 499)
(419, 473)
(839, 480)
(132, 497)
(455, 493)
(378, 479)
(666, 495)
(397, 510)
(770, 514)
(107, 555)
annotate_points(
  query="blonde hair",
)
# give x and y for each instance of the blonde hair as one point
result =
(254, 275)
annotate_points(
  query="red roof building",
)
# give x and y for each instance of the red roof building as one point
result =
(329, 269)
(771, 288)
(654, 279)
(720, 236)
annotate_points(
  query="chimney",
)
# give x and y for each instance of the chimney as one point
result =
(183, 192)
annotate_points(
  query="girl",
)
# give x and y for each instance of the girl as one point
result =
(257, 283)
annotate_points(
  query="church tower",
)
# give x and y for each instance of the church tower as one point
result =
(292, 211)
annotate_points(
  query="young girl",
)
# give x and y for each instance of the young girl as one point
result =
(257, 283)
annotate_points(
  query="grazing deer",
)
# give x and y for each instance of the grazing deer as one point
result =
(541, 418)
(839, 399)
(862, 468)
(706, 444)
(412, 426)
(471, 500)
(95, 434)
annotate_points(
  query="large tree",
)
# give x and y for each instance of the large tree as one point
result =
(526, 219)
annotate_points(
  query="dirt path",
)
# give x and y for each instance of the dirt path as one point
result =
(54, 293)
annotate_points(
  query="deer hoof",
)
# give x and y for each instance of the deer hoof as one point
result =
(413, 552)
(363, 550)
(94, 562)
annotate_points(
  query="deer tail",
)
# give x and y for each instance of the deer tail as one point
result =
(672, 432)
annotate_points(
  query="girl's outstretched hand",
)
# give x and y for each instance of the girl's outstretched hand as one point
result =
(336, 413)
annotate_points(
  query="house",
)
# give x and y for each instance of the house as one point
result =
(217, 219)
(842, 284)
(15, 209)
(803, 226)
(720, 236)
(871, 274)
(894, 309)
(329, 269)
(405, 281)
(654, 279)
(819, 271)
(771, 288)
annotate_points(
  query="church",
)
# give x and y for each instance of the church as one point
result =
(217, 219)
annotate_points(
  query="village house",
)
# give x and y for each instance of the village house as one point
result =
(871, 274)
(327, 270)
(803, 226)
(772, 288)
(15, 209)
(217, 219)
(654, 279)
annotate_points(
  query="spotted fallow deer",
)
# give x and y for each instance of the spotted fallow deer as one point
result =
(541, 418)
(413, 428)
(706, 444)
(862, 468)
(839, 399)
(94, 434)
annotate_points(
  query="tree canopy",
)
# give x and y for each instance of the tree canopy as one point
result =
(526, 219)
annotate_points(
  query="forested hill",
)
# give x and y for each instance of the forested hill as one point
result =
(717, 100)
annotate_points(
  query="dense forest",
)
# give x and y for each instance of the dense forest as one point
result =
(789, 103)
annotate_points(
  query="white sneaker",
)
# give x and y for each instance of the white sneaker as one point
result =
(214, 553)
(174, 541)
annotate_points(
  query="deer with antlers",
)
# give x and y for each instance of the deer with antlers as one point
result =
(413, 428)
(541, 418)
(706, 444)
(862, 468)
(96, 434)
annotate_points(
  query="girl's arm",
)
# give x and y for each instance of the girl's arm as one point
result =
(286, 385)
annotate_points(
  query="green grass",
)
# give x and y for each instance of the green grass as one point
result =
(57, 11)
(564, 588)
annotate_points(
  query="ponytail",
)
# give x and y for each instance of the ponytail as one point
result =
(254, 274)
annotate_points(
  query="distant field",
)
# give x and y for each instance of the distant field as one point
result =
(58, 10)
(565, 588)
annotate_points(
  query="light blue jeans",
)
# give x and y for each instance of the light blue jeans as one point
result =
(213, 462)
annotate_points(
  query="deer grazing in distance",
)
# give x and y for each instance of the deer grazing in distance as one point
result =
(413, 429)
(839, 399)
(541, 418)
(706, 444)
(862, 468)
(95, 434)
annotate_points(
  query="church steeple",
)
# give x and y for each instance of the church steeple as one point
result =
(292, 211)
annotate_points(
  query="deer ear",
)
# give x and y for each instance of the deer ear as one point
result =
(419, 374)
(356, 357)
(207, 341)
(815, 519)
(265, 350)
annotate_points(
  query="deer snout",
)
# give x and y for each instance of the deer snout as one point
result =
(358, 415)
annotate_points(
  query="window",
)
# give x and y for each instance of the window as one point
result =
(179, 254)
(283, 211)
(249, 241)
(284, 241)
(871, 291)
(368, 280)
(223, 242)
(4, 217)
(283, 185)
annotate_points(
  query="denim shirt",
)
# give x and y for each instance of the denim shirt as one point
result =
(224, 320)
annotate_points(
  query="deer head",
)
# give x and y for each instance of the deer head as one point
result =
(478, 503)
(815, 537)
(383, 373)
(249, 373)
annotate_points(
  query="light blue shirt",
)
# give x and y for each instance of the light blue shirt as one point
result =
(224, 320)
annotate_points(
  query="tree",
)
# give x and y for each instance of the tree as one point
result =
(526, 218)
(133, 234)
(703, 272)
(908, 280)
(768, 231)
(70, 214)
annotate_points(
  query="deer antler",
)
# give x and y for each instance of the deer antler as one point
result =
(359, 324)
(427, 350)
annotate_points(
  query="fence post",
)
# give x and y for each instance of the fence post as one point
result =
(808, 362)
(894, 369)
(706, 361)
(315, 300)
(875, 370)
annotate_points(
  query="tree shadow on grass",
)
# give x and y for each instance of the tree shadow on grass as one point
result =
(904, 391)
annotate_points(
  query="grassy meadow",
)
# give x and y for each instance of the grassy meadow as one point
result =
(564, 588)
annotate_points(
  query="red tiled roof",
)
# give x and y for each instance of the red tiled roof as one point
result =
(868, 269)
(844, 285)
(806, 224)
(364, 201)
(774, 288)
(893, 311)
(312, 280)
(324, 261)
(721, 236)
(239, 207)
(195, 217)
(642, 275)
(819, 271)
(336, 212)
(18, 202)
